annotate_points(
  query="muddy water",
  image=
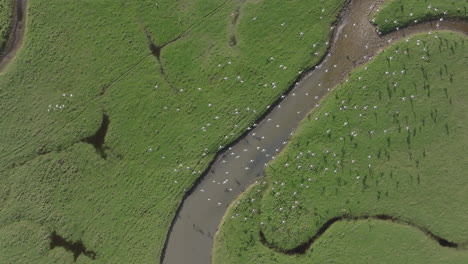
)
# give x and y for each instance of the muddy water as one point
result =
(16, 36)
(354, 42)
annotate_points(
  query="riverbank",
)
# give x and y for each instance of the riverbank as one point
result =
(356, 42)
(347, 241)
(12, 35)
(411, 196)
(95, 133)
(6, 11)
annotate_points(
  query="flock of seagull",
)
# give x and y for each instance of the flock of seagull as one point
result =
(361, 112)
(271, 155)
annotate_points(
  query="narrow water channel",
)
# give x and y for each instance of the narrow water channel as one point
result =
(354, 42)
(17, 33)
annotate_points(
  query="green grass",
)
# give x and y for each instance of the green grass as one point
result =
(401, 13)
(415, 146)
(372, 241)
(416, 139)
(5, 22)
(122, 207)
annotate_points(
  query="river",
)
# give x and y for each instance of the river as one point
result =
(354, 41)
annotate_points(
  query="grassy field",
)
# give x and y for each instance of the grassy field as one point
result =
(400, 13)
(390, 140)
(168, 118)
(5, 22)
(366, 241)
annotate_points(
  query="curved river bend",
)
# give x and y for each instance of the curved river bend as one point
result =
(354, 42)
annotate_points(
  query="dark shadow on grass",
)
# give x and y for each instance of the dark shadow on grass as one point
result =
(97, 140)
(156, 49)
(156, 52)
(77, 247)
(303, 248)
